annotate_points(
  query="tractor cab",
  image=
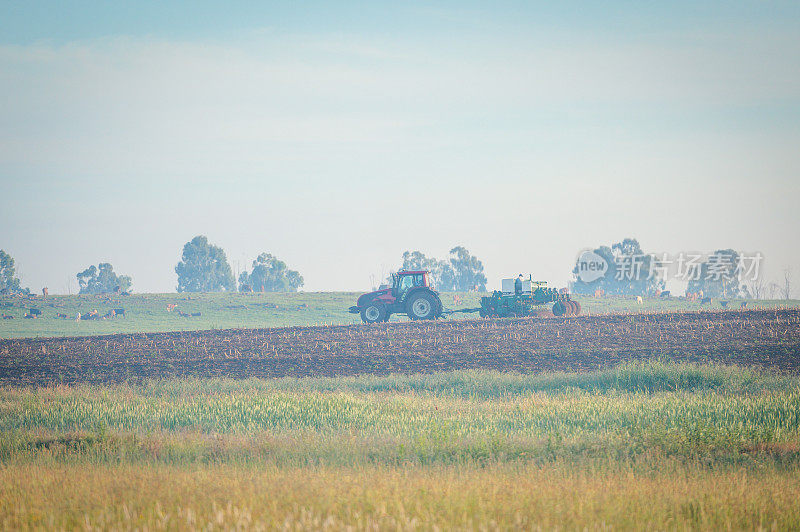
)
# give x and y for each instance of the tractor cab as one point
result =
(404, 281)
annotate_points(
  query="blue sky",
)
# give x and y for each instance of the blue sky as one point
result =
(337, 136)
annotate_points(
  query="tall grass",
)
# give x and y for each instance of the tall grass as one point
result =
(628, 411)
(640, 446)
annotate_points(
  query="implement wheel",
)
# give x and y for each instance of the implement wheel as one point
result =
(577, 307)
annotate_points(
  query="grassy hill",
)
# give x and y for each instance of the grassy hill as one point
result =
(149, 312)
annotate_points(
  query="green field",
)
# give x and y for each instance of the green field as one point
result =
(148, 312)
(654, 446)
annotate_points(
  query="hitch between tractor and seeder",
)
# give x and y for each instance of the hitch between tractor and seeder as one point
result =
(412, 294)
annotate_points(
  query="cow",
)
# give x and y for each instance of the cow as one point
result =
(639, 300)
(45, 292)
(665, 294)
(196, 314)
(708, 300)
(35, 312)
(118, 312)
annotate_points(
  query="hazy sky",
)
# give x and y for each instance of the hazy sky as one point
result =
(337, 136)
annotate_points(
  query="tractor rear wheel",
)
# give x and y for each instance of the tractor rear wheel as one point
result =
(373, 313)
(559, 308)
(421, 306)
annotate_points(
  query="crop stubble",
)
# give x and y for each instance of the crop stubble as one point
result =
(765, 338)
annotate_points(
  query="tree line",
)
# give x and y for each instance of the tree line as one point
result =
(630, 271)
(633, 272)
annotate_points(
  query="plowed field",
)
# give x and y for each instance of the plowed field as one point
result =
(766, 338)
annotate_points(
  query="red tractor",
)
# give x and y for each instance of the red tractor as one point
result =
(411, 294)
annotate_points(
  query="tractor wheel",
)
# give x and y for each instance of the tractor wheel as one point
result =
(577, 307)
(373, 313)
(559, 308)
(421, 306)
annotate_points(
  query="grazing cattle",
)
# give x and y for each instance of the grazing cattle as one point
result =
(707, 300)
(639, 300)
(743, 305)
(195, 314)
(93, 315)
(665, 294)
(118, 312)
(45, 292)
(35, 312)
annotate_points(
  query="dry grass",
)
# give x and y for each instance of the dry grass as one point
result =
(643, 446)
(387, 498)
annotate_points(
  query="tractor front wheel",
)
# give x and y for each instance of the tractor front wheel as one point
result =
(373, 313)
(559, 308)
(421, 306)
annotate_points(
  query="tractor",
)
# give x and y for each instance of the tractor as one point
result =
(411, 293)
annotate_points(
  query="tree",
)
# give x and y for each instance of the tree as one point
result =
(441, 271)
(758, 288)
(9, 283)
(786, 289)
(719, 276)
(630, 271)
(101, 279)
(467, 271)
(270, 275)
(462, 272)
(204, 268)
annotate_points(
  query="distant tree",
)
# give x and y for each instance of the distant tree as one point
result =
(462, 272)
(467, 271)
(786, 289)
(441, 270)
(101, 279)
(630, 271)
(718, 276)
(270, 275)
(204, 268)
(758, 288)
(9, 283)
